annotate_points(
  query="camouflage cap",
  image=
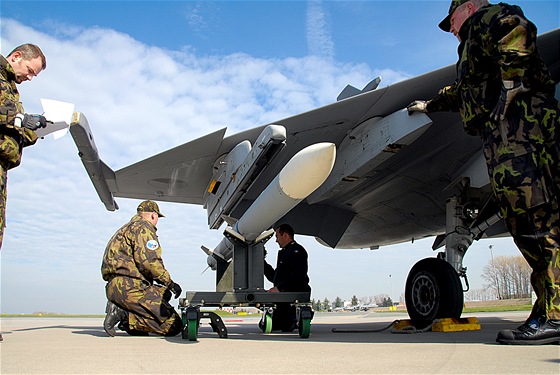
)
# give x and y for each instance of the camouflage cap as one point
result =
(445, 25)
(149, 206)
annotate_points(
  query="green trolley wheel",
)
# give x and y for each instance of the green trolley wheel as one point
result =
(192, 329)
(304, 328)
(267, 323)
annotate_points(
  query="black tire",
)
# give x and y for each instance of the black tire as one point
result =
(433, 290)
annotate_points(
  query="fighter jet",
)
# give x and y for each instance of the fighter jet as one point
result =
(358, 173)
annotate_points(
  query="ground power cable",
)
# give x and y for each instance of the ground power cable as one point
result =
(406, 330)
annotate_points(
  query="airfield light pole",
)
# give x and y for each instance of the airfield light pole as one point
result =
(391, 289)
(496, 275)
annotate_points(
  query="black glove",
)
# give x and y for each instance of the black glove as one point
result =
(509, 90)
(417, 106)
(175, 289)
(33, 122)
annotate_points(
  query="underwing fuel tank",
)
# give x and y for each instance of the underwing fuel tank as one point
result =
(300, 177)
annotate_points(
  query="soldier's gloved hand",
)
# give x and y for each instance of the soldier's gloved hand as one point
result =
(31, 122)
(510, 89)
(167, 295)
(175, 289)
(418, 106)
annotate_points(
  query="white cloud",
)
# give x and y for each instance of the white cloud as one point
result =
(319, 39)
(196, 20)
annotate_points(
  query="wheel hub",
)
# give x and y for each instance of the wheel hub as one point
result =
(424, 294)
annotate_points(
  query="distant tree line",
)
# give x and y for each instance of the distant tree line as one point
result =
(508, 276)
(381, 300)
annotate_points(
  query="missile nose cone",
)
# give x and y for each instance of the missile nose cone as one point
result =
(307, 170)
(301, 176)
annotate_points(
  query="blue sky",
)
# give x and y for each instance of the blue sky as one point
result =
(152, 75)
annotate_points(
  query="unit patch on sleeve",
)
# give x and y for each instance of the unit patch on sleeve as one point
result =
(152, 244)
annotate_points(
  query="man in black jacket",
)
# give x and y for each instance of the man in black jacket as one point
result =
(290, 276)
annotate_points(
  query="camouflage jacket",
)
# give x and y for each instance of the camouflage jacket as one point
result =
(134, 251)
(498, 43)
(12, 139)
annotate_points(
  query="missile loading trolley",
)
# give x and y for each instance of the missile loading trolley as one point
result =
(240, 283)
(239, 258)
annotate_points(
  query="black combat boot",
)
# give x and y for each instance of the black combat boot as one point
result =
(536, 332)
(113, 317)
(124, 326)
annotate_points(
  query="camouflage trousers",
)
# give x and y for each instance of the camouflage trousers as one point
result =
(537, 236)
(147, 306)
(528, 190)
(10, 157)
(3, 197)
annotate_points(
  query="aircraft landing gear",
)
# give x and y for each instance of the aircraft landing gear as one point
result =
(433, 286)
(433, 290)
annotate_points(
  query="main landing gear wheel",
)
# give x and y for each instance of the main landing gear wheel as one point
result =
(433, 290)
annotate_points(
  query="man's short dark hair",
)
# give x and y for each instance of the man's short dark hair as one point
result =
(31, 51)
(285, 228)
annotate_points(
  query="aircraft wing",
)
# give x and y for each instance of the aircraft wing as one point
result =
(177, 175)
(390, 182)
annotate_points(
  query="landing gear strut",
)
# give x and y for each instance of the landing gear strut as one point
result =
(433, 287)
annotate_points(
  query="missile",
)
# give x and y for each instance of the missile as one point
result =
(239, 169)
(300, 177)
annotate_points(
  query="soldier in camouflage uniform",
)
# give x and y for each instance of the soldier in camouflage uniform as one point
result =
(17, 129)
(132, 262)
(505, 95)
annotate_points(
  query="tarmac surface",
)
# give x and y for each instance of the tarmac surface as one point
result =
(81, 346)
